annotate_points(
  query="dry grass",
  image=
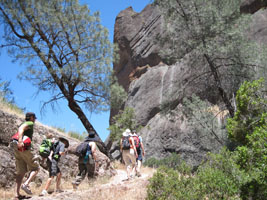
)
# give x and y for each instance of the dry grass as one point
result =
(101, 188)
(10, 108)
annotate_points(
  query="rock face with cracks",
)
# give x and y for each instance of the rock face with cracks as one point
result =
(150, 82)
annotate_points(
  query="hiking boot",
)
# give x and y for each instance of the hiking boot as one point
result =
(44, 193)
(138, 174)
(59, 190)
(26, 189)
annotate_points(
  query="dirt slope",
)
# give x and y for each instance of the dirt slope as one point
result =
(116, 188)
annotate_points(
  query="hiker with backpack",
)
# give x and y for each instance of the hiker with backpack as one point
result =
(45, 150)
(24, 155)
(87, 157)
(140, 151)
(58, 149)
(129, 153)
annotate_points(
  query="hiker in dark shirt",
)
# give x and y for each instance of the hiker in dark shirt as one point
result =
(86, 163)
(58, 151)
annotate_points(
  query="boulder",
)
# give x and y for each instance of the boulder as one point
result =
(252, 6)
(134, 34)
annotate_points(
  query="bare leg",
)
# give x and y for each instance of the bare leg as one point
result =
(138, 168)
(32, 175)
(128, 168)
(48, 183)
(58, 181)
(19, 179)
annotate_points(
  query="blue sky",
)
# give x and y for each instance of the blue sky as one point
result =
(24, 93)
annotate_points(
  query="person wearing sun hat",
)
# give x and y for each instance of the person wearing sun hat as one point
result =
(58, 149)
(129, 153)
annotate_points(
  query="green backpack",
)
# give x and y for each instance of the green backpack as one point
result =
(45, 148)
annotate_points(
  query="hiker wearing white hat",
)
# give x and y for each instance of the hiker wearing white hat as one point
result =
(129, 153)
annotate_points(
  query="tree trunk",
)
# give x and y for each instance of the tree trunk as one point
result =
(88, 126)
(219, 86)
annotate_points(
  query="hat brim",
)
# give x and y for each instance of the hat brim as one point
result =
(88, 139)
(64, 140)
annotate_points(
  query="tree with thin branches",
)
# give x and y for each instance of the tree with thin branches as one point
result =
(65, 48)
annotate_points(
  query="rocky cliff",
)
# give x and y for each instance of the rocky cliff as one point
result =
(149, 82)
(9, 124)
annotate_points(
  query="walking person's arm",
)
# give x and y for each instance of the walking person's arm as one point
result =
(121, 145)
(22, 128)
(143, 150)
(93, 149)
(135, 151)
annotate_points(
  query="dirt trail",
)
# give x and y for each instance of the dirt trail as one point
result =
(117, 188)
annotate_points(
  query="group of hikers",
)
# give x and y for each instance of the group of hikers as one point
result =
(132, 149)
(51, 150)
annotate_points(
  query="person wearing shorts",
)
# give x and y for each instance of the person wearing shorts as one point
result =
(129, 155)
(24, 156)
(141, 154)
(54, 171)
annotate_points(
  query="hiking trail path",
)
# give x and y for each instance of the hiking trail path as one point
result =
(116, 188)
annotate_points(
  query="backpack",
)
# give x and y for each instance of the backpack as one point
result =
(45, 148)
(81, 149)
(26, 140)
(126, 143)
(136, 141)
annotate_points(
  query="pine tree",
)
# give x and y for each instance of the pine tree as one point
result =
(65, 48)
(212, 32)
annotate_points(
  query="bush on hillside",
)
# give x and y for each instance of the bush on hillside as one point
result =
(218, 178)
(173, 161)
(239, 174)
(122, 121)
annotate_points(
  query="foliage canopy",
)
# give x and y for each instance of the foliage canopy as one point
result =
(66, 49)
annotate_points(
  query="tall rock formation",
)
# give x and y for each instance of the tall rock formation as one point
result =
(149, 83)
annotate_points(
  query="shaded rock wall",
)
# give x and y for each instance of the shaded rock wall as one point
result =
(150, 82)
(133, 32)
(252, 6)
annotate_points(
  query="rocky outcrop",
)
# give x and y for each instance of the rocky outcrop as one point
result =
(151, 83)
(9, 124)
(164, 134)
(134, 34)
(258, 28)
(252, 6)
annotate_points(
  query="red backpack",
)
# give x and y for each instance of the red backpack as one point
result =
(26, 141)
(136, 141)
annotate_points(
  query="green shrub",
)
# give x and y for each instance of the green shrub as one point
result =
(173, 161)
(218, 178)
(240, 174)
(251, 111)
(168, 183)
(122, 121)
